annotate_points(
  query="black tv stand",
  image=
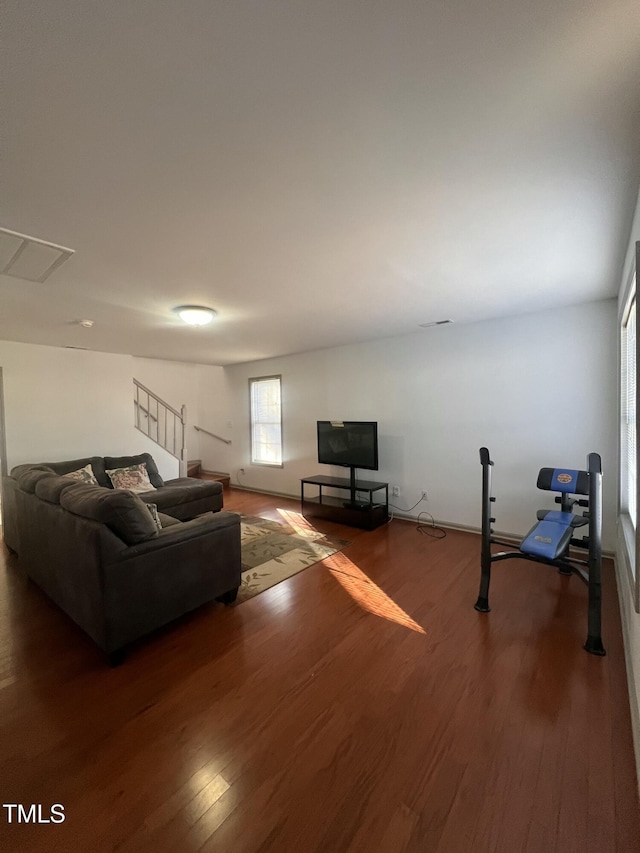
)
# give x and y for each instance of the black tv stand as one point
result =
(355, 505)
(366, 515)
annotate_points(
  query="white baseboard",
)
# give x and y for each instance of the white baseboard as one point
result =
(265, 492)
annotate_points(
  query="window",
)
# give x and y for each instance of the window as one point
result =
(266, 420)
(628, 484)
(628, 541)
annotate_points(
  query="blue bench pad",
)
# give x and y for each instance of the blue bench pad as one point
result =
(550, 537)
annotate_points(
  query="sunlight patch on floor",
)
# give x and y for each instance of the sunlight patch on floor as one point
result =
(366, 593)
(299, 523)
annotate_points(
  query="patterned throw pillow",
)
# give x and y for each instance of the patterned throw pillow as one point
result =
(153, 509)
(84, 475)
(135, 478)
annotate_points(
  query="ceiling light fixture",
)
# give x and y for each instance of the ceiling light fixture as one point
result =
(195, 315)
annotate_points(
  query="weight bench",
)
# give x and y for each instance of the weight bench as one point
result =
(549, 540)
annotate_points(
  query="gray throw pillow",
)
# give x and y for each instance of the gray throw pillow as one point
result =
(153, 509)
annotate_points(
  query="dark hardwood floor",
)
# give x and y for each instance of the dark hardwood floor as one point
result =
(361, 705)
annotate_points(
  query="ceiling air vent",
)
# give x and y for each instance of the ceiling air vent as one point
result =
(29, 258)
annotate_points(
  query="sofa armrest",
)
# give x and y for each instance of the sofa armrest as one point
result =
(203, 525)
(152, 583)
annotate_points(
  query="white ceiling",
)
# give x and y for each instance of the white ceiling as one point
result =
(318, 171)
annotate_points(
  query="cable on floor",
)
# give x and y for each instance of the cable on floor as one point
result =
(432, 529)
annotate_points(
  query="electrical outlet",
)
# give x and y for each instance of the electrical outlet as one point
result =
(395, 491)
(242, 470)
(424, 496)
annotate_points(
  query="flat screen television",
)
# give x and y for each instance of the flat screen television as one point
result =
(352, 444)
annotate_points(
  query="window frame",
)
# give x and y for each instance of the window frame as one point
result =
(625, 491)
(629, 539)
(264, 464)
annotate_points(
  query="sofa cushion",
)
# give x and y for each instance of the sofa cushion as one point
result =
(29, 477)
(17, 470)
(97, 466)
(111, 462)
(83, 475)
(167, 520)
(50, 488)
(182, 490)
(134, 478)
(121, 511)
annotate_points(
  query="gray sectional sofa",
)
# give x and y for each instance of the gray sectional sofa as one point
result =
(117, 569)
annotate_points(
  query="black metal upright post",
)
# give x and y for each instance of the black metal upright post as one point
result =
(353, 487)
(482, 604)
(594, 639)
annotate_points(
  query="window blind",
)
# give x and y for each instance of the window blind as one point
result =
(628, 412)
(266, 420)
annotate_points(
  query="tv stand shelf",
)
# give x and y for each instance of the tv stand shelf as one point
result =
(345, 509)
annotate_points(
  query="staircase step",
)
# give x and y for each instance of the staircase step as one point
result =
(225, 479)
(194, 466)
(195, 469)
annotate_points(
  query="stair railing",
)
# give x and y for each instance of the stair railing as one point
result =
(161, 423)
(212, 434)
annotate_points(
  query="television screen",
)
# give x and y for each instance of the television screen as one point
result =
(353, 444)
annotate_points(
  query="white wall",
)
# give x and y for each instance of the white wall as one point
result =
(630, 619)
(537, 390)
(66, 404)
(214, 414)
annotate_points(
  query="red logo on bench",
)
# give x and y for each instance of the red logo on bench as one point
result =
(564, 478)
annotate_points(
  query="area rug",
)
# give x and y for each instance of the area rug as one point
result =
(273, 551)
